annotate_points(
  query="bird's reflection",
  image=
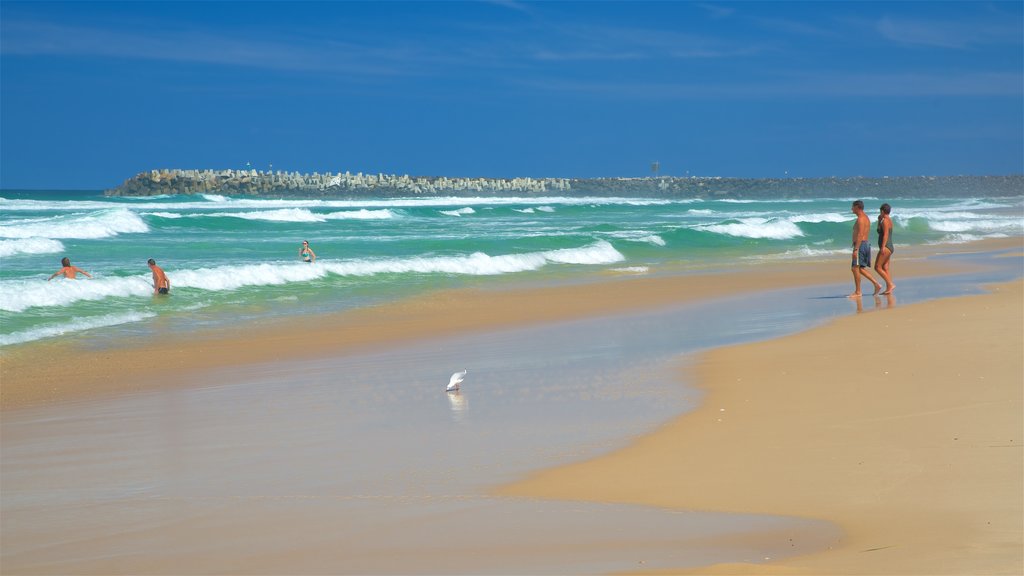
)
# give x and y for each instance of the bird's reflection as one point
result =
(459, 405)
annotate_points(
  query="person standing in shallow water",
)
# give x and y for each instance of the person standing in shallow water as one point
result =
(161, 284)
(67, 270)
(861, 250)
(885, 247)
(306, 253)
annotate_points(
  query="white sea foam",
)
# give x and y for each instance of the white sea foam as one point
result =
(957, 239)
(817, 218)
(600, 252)
(774, 229)
(802, 253)
(73, 325)
(479, 263)
(21, 294)
(99, 224)
(459, 212)
(639, 236)
(145, 198)
(768, 200)
(363, 214)
(280, 215)
(11, 205)
(980, 204)
(233, 277)
(30, 246)
(216, 201)
(978, 226)
(285, 215)
(524, 210)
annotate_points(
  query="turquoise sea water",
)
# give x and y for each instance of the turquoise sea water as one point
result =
(235, 258)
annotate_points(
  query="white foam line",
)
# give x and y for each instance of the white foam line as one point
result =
(71, 326)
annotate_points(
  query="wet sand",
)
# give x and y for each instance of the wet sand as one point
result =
(904, 428)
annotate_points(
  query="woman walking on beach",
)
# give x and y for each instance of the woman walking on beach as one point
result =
(306, 253)
(885, 247)
(67, 270)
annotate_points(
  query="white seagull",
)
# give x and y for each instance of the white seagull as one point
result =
(456, 380)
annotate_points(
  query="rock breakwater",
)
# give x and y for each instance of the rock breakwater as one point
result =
(347, 185)
(258, 183)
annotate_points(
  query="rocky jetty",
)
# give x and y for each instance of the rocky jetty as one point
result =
(347, 185)
(258, 183)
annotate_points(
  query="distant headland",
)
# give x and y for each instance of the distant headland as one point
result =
(347, 185)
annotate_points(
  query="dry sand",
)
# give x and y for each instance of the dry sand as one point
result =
(903, 426)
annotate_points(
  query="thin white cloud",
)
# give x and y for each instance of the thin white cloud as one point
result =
(715, 10)
(947, 34)
(829, 85)
(511, 5)
(590, 42)
(569, 55)
(31, 38)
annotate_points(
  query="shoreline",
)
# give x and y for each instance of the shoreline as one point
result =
(915, 454)
(46, 372)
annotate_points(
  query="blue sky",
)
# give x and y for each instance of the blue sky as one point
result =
(92, 92)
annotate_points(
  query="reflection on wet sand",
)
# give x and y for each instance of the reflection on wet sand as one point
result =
(881, 302)
(458, 403)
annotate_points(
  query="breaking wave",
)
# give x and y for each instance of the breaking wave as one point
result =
(19, 295)
(99, 224)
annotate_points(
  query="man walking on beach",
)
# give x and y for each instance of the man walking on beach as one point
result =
(861, 250)
(161, 284)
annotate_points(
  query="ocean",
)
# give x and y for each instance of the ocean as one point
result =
(236, 259)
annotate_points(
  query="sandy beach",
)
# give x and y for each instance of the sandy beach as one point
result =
(904, 429)
(901, 427)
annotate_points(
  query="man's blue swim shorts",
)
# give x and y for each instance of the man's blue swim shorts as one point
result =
(863, 255)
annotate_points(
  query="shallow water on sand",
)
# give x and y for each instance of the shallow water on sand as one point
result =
(363, 464)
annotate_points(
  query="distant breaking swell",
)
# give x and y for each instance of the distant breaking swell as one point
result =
(19, 295)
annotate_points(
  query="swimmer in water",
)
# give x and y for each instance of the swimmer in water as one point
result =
(67, 270)
(161, 283)
(306, 253)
